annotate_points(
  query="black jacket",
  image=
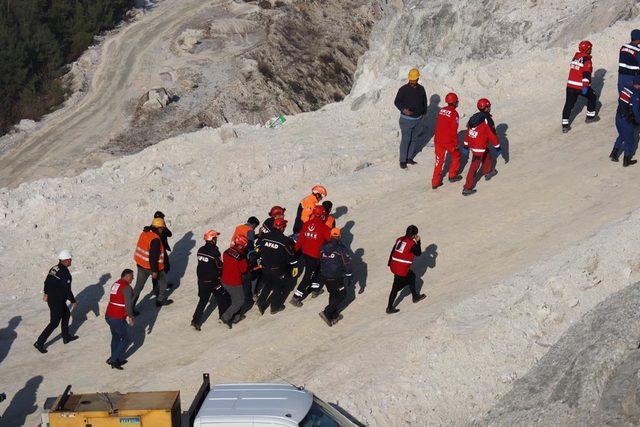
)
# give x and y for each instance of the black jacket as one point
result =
(57, 285)
(165, 239)
(266, 227)
(276, 252)
(413, 98)
(209, 264)
(480, 117)
(335, 261)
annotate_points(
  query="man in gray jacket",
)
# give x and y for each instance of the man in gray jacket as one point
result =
(335, 273)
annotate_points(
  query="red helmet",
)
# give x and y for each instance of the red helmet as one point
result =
(319, 212)
(277, 211)
(240, 242)
(451, 98)
(280, 224)
(210, 235)
(319, 189)
(585, 46)
(483, 104)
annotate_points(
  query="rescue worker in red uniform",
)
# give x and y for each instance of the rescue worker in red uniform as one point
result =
(149, 257)
(313, 235)
(119, 317)
(404, 251)
(446, 141)
(274, 213)
(579, 84)
(480, 132)
(305, 208)
(208, 271)
(234, 265)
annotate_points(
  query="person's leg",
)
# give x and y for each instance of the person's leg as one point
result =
(440, 153)
(310, 267)
(411, 281)
(55, 315)
(237, 301)
(333, 287)
(569, 103)
(162, 286)
(141, 278)
(114, 338)
(204, 294)
(280, 289)
(64, 323)
(266, 293)
(487, 163)
(592, 99)
(455, 163)
(122, 331)
(627, 134)
(405, 139)
(470, 183)
(222, 300)
(316, 281)
(398, 284)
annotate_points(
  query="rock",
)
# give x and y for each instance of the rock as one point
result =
(189, 39)
(187, 84)
(156, 99)
(25, 125)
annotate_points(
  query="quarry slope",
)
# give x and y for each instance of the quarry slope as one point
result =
(506, 271)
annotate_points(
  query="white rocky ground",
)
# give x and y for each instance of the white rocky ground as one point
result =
(506, 272)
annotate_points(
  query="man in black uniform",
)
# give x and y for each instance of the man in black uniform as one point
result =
(164, 236)
(278, 260)
(209, 269)
(57, 291)
(267, 226)
(335, 273)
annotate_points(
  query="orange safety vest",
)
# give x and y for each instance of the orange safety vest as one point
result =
(141, 255)
(331, 221)
(241, 230)
(308, 203)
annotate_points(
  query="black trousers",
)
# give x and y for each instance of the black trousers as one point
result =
(205, 290)
(311, 273)
(59, 314)
(337, 294)
(572, 98)
(274, 289)
(399, 284)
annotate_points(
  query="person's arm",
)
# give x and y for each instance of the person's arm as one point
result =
(417, 248)
(346, 262)
(47, 287)
(399, 101)
(168, 232)
(391, 254)
(587, 69)
(425, 103)
(243, 265)
(154, 255)
(128, 301)
(69, 295)
(635, 107)
(493, 138)
(297, 225)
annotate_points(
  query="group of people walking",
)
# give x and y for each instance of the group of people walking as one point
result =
(260, 267)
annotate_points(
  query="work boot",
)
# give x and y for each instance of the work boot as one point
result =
(325, 318)
(491, 174)
(615, 155)
(122, 362)
(238, 318)
(227, 324)
(337, 319)
(403, 165)
(278, 310)
(391, 310)
(466, 192)
(628, 161)
(411, 162)
(317, 293)
(195, 325)
(566, 128)
(420, 298)
(116, 365)
(40, 347)
(592, 119)
(455, 178)
(295, 302)
(262, 310)
(69, 339)
(435, 187)
(165, 302)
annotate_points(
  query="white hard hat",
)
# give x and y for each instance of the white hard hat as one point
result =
(64, 254)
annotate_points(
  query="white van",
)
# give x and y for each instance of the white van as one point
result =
(266, 405)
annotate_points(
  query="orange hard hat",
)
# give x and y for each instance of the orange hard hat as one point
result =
(210, 235)
(336, 232)
(319, 189)
(240, 241)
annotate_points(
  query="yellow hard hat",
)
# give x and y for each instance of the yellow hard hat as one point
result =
(157, 222)
(414, 74)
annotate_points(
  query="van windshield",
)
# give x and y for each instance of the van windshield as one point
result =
(322, 414)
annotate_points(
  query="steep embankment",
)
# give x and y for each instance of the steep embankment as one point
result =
(506, 271)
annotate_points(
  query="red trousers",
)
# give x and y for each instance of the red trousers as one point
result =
(483, 159)
(441, 153)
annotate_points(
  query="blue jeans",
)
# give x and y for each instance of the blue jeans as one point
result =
(120, 338)
(626, 136)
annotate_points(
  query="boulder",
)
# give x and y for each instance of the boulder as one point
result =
(156, 99)
(189, 39)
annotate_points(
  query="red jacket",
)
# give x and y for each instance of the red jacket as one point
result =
(447, 128)
(402, 256)
(117, 308)
(234, 265)
(313, 235)
(580, 71)
(480, 133)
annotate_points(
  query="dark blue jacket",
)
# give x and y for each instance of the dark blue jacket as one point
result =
(335, 261)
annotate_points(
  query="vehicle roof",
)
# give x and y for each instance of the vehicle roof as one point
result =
(255, 402)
